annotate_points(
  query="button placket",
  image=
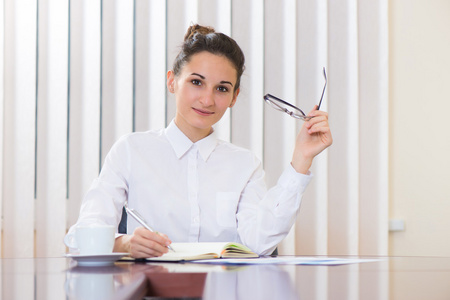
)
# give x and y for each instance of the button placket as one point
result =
(193, 194)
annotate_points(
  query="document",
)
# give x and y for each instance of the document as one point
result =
(201, 251)
(288, 260)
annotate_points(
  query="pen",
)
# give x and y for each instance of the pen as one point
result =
(141, 220)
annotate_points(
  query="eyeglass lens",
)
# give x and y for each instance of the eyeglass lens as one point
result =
(284, 106)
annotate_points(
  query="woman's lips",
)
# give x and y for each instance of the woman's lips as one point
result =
(203, 112)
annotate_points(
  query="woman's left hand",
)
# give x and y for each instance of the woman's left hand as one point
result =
(313, 138)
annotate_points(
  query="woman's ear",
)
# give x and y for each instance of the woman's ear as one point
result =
(236, 93)
(171, 81)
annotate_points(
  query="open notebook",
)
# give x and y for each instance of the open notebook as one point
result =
(196, 251)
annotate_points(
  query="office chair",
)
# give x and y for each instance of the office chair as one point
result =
(123, 222)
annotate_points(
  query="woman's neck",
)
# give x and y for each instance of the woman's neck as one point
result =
(194, 134)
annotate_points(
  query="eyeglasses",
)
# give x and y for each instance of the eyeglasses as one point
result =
(293, 111)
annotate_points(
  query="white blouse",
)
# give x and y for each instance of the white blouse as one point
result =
(208, 191)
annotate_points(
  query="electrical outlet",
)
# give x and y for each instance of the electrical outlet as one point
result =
(396, 225)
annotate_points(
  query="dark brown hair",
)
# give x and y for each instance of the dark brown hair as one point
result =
(203, 38)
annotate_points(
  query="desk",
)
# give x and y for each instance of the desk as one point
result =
(395, 278)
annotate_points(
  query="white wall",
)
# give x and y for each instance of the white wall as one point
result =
(419, 126)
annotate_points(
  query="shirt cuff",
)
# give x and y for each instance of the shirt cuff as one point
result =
(292, 180)
(119, 235)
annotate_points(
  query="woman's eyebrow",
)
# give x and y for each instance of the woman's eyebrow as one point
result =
(226, 82)
(203, 77)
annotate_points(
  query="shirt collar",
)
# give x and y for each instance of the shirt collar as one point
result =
(181, 143)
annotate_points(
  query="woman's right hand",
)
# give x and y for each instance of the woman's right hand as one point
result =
(143, 243)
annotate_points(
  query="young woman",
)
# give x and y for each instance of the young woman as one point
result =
(189, 185)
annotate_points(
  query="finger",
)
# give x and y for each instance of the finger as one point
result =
(316, 113)
(317, 128)
(320, 118)
(143, 247)
(138, 250)
(321, 127)
(161, 238)
(314, 109)
(323, 133)
(166, 238)
(150, 243)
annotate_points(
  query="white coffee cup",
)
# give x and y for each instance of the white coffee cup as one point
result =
(95, 239)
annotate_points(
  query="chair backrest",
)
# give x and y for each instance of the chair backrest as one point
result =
(123, 222)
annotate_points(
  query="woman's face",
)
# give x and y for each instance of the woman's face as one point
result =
(204, 90)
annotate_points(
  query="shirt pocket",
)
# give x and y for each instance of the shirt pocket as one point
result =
(226, 207)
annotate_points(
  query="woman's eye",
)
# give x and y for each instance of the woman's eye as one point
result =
(222, 89)
(196, 82)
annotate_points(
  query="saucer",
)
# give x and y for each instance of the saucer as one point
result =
(91, 260)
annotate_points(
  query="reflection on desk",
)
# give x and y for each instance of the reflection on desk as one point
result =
(262, 282)
(89, 283)
(395, 278)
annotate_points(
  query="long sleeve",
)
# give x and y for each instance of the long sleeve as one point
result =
(105, 199)
(265, 217)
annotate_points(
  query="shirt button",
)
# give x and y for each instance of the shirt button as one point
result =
(196, 219)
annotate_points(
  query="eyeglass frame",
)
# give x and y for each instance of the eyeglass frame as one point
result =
(302, 116)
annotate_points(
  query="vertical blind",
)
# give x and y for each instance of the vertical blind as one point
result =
(76, 75)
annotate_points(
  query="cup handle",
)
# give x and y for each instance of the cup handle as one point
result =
(71, 242)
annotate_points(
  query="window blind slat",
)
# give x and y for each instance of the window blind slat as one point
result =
(52, 129)
(20, 129)
(343, 213)
(84, 139)
(247, 115)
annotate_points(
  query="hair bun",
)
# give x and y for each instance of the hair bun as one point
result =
(197, 29)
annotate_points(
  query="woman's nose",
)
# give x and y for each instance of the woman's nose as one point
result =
(207, 98)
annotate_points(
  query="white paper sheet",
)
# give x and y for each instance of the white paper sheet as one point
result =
(287, 260)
